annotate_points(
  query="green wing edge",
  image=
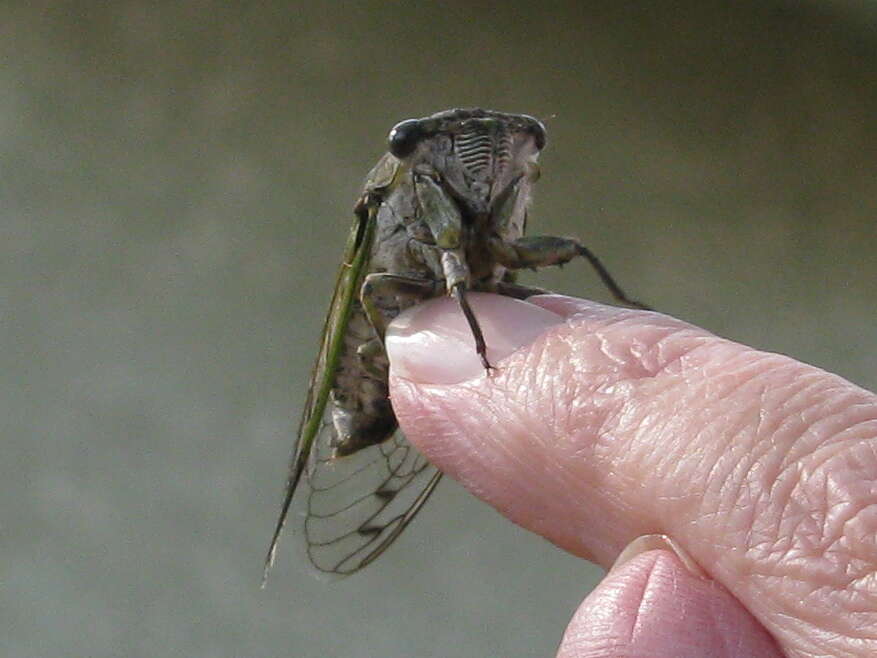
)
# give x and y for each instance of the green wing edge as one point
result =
(347, 285)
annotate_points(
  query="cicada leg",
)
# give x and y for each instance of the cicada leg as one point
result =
(516, 290)
(383, 284)
(544, 250)
(456, 273)
(370, 355)
(458, 292)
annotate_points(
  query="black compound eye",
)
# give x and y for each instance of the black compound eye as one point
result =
(404, 137)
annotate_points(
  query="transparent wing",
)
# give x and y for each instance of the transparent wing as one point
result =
(359, 504)
(349, 279)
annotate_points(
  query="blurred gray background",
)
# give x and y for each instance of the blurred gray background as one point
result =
(176, 187)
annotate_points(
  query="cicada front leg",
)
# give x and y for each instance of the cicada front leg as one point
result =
(456, 273)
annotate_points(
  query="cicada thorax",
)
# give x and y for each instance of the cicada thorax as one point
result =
(460, 190)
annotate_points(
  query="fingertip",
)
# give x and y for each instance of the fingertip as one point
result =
(432, 343)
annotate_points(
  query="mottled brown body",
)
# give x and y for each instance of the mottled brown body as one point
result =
(498, 159)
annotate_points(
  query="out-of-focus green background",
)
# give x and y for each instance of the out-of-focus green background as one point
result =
(176, 183)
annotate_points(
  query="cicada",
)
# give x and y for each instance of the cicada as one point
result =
(442, 213)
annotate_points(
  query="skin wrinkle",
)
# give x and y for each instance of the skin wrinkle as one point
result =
(793, 624)
(856, 499)
(635, 629)
(557, 467)
(793, 414)
(757, 470)
(465, 428)
(751, 470)
(744, 510)
(737, 446)
(822, 643)
(677, 353)
(442, 447)
(542, 377)
(581, 448)
(644, 358)
(608, 420)
(828, 593)
(536, 380)
(781, 493)
(623, 414)
(592, 413)
(818, 473)
(554, 381)
(744, 479)
(785, 396)
(830, 425)
(519, 469)
(746, 483)
(731, 643)
(691, 408)
(480, 447)
(613, 419)
(838, 520)
(866, 428)
(809, 413)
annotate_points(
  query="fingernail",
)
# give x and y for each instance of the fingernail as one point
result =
(657, 542)
(432, 343)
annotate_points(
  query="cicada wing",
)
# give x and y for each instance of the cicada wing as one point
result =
(360, 503)
(357, 504)
(350, 275)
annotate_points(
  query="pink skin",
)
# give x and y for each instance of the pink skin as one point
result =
(603, 424)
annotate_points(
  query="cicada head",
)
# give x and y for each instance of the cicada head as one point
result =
(479, 157)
